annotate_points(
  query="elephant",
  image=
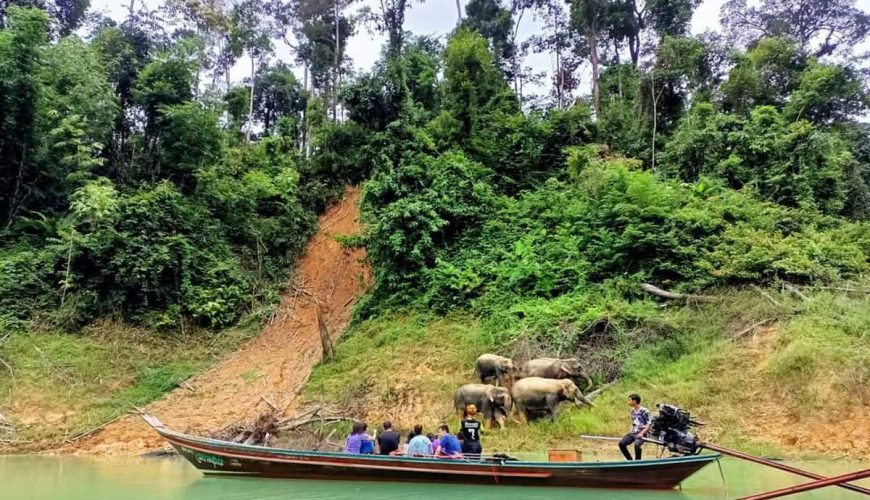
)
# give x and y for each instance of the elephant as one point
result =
(536, 395)
(493, 402)
(555, 368)
(494, 366)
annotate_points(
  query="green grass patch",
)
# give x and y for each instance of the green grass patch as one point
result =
(64, 383)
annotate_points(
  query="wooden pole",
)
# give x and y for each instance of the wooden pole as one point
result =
(777, 465)
(791, 490)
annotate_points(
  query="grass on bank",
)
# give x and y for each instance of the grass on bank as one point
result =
(65, 384)
(811, 359)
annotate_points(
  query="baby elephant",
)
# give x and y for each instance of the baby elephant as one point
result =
(493, 366)
(493, 402)
(535, 395)
(556, 368)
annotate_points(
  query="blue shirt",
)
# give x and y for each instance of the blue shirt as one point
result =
(419, 445)
(450, 445)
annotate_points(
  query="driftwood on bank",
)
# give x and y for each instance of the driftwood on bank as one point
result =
(794, 290)
(95, 429)
(255, 432)
(658, 292)
(315, 415)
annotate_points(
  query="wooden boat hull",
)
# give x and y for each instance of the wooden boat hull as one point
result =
(219, 457)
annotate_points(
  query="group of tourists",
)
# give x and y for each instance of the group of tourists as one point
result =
(465, 443)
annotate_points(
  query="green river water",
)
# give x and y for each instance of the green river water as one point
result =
(37, 477)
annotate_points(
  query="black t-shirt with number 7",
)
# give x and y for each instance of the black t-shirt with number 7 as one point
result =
(470, 429)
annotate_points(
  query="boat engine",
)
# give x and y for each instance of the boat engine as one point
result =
(672, 428)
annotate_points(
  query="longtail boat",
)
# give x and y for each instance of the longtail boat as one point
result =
(213, 456)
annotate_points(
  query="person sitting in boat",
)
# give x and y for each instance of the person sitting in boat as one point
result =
(358, 441)
(469, 427)
(640, 423)
(388, 441)
(436, 441)
(449, 446)
(420, 445)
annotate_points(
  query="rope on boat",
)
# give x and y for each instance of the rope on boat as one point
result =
(724, 484)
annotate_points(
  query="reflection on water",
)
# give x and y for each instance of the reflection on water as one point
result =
(123, 479)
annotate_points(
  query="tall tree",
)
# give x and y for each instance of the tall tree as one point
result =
(66, 15)
(819, 27)
(495, 23)
(251, 33)
(278, 95)
(21, 47)
(588, 19)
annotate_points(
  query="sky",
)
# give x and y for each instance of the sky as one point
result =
(431, 17)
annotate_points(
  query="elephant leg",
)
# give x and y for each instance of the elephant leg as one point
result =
(486, 409)
(499, 418)
(521, 414)
(552, 404)
(499, 377)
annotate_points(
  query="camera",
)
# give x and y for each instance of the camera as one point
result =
(672, 428)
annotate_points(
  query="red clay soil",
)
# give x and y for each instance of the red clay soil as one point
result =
(275, 365)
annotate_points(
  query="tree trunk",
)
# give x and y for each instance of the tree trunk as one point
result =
(336, 78)
(303, 128)
(132, 8)
(559, 78)
(592, 37)
(458, 13)
(13, 202)
(251, 104)
(655, 119)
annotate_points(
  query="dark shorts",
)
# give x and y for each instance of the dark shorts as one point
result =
(473, 448)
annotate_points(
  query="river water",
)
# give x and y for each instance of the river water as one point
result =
(37, 477)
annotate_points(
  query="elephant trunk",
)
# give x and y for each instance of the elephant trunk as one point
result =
(582, 400)
(588, 381)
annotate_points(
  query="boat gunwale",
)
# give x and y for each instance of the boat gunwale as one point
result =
(283, 452)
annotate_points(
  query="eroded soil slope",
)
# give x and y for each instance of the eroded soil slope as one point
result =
(275, 365)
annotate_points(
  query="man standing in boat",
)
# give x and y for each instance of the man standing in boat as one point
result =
(470, 429)
(640, 423)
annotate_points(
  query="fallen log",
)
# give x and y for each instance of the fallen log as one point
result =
(751, 328)
(95, 429)
(597, 392)
(795, 290)
(766, 295)
(658, 292)
(846, 289)
(313, 420)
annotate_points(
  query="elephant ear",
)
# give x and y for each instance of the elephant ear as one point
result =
(566, 370)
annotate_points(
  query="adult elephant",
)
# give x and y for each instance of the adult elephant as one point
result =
(556, 368)
(535, 395)
(493, 402)
(493, 366)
